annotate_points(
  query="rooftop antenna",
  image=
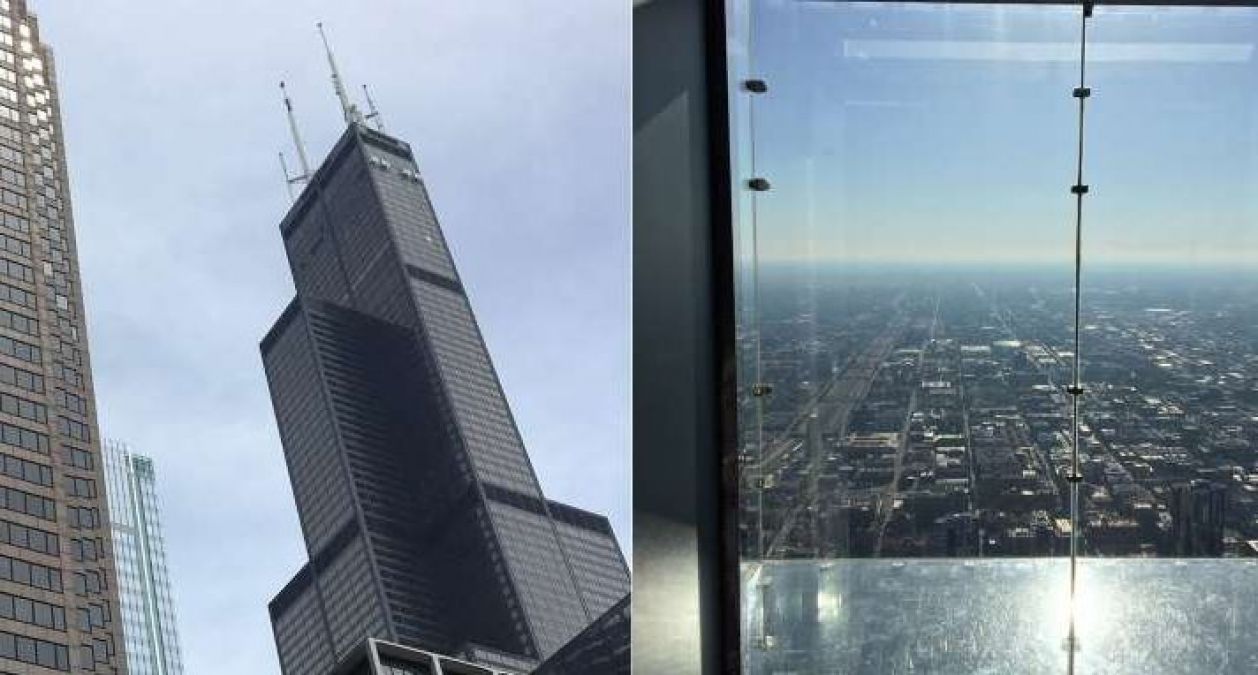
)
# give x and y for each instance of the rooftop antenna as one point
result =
(352, 116)
(288, 182)
(374, 115)
(304, 176)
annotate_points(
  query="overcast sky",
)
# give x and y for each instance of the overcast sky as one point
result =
(518, 112)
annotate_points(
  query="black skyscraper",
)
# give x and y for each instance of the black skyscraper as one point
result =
(1198, 509)
(424, 522)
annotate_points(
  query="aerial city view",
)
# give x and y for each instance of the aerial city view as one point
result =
(925, 413)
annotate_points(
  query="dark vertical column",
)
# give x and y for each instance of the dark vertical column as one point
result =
(683, 341)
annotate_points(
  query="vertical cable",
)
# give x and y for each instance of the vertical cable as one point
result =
(758, 393)
(1082, 92)
(759, 390)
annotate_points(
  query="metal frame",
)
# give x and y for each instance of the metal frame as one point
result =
(722, 278)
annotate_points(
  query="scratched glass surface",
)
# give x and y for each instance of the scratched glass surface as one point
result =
(893, 617)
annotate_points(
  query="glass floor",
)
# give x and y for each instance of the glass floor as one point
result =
(887, 617)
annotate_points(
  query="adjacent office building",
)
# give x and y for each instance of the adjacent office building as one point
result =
(147, 608)
(58, 590)
(424, 522)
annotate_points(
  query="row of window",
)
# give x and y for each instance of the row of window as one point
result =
(23, 379)
(26, 470)
(74, 429)
(89, 582)
(35, 652)
(68, 375)
(20, 407)
(11, 177)
(10, 198)
(18, 501)
(98, 651)
(30, 574)
(7, 133)
(85, 549)
(93, 616)
(80, 487)
(69, 401)
(83, 517)
(19, 437)
(34, 612)
(12, 244)
(16, 270)
(17, 296)
(8, 154)
(18, 322)
(78, 458)
(29, 538)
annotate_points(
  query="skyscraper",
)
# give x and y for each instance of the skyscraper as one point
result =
(58, 592)
(424, 522)
(1198, 509)
(147, 608)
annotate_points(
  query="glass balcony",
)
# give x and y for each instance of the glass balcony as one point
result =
(996, 279)
(897, 617)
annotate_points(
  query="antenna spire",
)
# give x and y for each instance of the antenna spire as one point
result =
(374, 113)
(288, 182)
(304, 176)
(352, 115)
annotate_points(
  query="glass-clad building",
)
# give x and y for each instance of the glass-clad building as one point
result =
(985, 286)
(139, 547)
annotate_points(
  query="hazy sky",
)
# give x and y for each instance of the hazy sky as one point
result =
(917, 134)
(518, 111)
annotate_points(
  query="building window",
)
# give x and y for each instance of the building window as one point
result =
(80, 487)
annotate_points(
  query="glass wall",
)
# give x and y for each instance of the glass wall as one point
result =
(990, 255)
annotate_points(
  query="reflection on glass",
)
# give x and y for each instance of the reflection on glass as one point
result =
(905, 288)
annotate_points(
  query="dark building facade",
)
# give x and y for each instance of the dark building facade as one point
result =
(602, 648)
(58, 587)
(1198, 509)
(423, 519)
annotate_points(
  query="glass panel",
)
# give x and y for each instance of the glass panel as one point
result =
(918, 160)
(1171, 292)
(906, 259)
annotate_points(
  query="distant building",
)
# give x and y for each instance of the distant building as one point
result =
(1197, 510)
(148, 610)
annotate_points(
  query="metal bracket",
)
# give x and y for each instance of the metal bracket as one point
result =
(1082, 92)
(1079, 189)
(759, 184)
(1074, 391)
(755, 86)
